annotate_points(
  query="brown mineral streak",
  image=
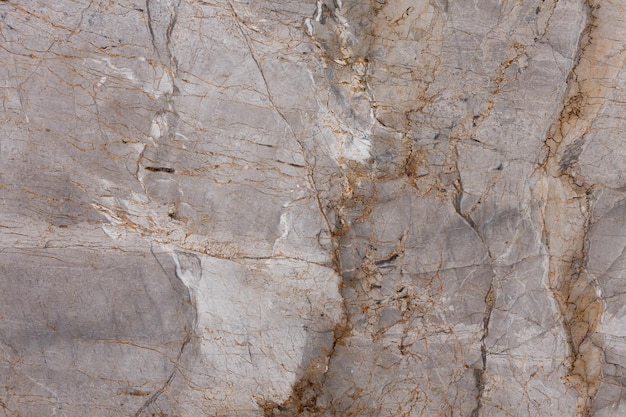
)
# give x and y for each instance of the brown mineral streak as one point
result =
(567, 209)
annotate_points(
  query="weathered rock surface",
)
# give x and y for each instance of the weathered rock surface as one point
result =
(313, 208)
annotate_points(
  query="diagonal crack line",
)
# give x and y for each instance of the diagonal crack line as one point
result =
(161, 38)
(161, 20)
(310, 177)
(155, 396)
(480, 373)
(150, 26)
(258, 65)
(170, 27)
(490, 299)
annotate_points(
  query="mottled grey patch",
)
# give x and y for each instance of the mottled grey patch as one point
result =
(571, 154)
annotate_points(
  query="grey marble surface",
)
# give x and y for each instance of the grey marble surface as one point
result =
(313, 208)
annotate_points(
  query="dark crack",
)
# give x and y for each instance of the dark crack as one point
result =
(191, 261)
(479, 374)
(161, 40)
(490, 299)
(155, 396)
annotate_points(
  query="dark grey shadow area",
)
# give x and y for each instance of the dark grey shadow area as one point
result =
(88, 332)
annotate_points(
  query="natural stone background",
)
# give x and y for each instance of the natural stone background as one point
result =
(313, 208)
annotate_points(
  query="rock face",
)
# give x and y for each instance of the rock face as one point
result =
(313, 208)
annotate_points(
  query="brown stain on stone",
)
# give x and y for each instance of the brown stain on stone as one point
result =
(567, 198)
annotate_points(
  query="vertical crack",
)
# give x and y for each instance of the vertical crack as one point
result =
(150, 26)
(490, 299)
(479, 374)
(161, 20)
(307, 389)
(161, 39)
(162, 16)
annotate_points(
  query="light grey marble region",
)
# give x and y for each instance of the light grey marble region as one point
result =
(275, 208)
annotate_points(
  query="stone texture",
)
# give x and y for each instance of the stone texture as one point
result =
(312, 208)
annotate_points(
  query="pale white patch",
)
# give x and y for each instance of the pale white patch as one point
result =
(139, 198)
(356, 148)
(158, 126)
(113, 231)
(165, 86)
(318, 11)
(285, 226)
(308, 26)
(182, 136)
(155, 129)
(125, 72)
(260, 315)
(341, 19)
(188, 269)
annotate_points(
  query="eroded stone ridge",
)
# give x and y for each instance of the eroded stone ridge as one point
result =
(312, 208)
